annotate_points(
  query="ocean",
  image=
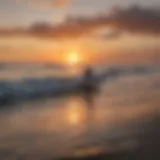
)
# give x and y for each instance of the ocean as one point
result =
(43, 116)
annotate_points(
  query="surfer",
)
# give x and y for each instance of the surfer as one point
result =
(88, 73)
(88, 86)
(88, 80)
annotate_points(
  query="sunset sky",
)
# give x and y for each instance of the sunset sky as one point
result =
(98, 31)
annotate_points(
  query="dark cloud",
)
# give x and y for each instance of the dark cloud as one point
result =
(134, 20)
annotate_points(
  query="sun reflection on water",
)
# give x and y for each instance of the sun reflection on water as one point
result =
(76, 112)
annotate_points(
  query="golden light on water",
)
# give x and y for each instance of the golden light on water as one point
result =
(74, 117)
(76, 113)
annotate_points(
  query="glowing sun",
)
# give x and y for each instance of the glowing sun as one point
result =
(73, 58)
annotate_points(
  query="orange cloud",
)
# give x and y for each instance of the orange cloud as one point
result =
(132, 20)
(60, 3)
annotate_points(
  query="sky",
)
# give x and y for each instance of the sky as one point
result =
(99, 31)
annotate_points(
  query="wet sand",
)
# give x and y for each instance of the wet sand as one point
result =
(120, 122)
(147, 148)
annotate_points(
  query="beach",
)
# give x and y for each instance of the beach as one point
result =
(80, 80)
(120, 122)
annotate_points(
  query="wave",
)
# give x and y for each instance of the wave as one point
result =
(35, 88)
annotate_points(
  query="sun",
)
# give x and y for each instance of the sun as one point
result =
(73, 58)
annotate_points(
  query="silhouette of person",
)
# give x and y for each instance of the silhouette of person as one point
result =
(88, 79)
(88, 86)
(88, 73)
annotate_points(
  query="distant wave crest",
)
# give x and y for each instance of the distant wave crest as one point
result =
(36, 88)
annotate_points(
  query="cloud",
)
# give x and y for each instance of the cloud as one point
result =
(42, 4)
(133, 20)
(60, 3)
(137, 19)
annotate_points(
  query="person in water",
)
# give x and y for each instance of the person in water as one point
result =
(89, 84)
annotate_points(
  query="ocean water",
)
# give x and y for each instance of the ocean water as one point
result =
(19, 82)
(38, 124)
